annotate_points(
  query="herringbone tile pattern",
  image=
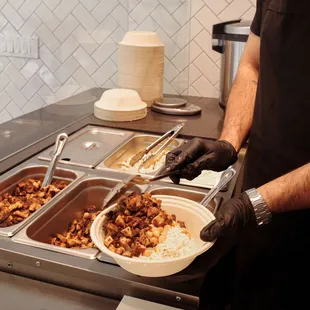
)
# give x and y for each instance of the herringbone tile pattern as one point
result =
(78, 46)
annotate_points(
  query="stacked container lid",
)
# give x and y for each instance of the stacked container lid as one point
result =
(141, 65)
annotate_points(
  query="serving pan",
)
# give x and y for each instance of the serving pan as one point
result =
(90, 190)
(89, 146)
(132, 147)
(9, 181)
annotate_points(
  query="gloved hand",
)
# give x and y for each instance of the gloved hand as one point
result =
(235, 215)
(200, 154)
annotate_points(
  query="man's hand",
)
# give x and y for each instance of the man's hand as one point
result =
(235, 215)
(200, 154)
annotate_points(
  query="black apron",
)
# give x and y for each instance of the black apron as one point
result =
(272, 262)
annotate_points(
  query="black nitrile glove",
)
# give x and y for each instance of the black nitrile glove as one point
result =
(200, 154)
(235, 215)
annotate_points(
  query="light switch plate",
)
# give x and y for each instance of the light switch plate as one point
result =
(19, 46)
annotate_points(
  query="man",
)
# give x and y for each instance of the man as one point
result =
(270, 100)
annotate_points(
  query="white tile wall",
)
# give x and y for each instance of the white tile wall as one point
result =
(78, 46)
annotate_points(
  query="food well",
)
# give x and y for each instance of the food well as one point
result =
(88, 146)
(68, 220)
(119, 160)
(16, 180)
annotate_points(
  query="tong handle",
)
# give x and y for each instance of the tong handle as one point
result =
(59, 147)
(227, 175)
(173, 131)
(164, 174)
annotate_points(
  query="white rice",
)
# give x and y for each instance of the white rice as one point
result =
(176, 244)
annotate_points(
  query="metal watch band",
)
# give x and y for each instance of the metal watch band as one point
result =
(262, 213)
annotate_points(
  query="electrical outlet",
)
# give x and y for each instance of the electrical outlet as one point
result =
(19, 47)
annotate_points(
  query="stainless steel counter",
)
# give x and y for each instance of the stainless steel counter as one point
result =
(99, 277)
(22, 293)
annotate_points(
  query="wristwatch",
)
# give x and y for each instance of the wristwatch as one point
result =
(261, 210)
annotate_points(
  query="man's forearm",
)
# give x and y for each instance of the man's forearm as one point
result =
(289, 192)
(239, 113)
(240, 107)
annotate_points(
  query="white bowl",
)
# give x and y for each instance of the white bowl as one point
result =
(193, 214)
(141, 38)
(120, 100)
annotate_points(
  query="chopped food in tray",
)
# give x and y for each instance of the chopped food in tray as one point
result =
(158, 163)
(141, 228)
(78, 234)
(27, 197)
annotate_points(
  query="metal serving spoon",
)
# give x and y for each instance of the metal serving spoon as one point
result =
(61, 141)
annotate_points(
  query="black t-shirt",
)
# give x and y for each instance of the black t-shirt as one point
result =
(280, 130)
(261, 8)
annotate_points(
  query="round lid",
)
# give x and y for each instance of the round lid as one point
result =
(242, 28)
(170, 102)
(190, 109)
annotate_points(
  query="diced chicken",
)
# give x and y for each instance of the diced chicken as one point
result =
(85, 241)
(138, 249)
(27, 197)
(124, 243)
(120, 221)
(112, 229)
(153, 211)
(135, 222)
(73, 242)
(112, 248)
(127, 254)
(120, 250)
(127, 212)
(34, 206)
(22, 214)
(137, 226)
(61, 237)
(132, 205)
(182, 224)
(107, 241)
(127, 232)
(158, 221)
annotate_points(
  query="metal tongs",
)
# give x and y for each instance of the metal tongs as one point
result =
(130, 182)
(142, 155)
(61, 141)
(59, 146)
